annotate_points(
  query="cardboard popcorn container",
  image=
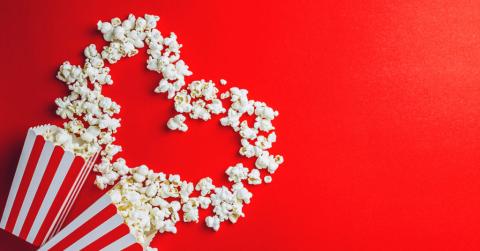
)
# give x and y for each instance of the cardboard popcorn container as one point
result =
(99, 227)
(46, 183)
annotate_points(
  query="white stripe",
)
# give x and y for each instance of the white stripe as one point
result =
(98, 232)
(121, 243)
(65, 209)
(22, 163)
(57, 181)
(33, 187)
(93, 210)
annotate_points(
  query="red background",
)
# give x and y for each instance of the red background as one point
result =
(379, 113)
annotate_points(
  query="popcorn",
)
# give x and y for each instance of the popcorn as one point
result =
(269, 162)
(237, 173)
(185, 190)
(190, 209)
(182, 102)
(177, 123)
(242, 193)
(70, 74)
(204, 186)
(216, 107)
(247, 132)
(199, 111)
(151, 190)
(228, 204)
(204, 202)
(101, 182)
(213, 222)
(225, 95)
(254, 177)
(148, 201)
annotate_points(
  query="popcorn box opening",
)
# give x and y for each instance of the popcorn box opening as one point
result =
(99, 227)
(46, 183)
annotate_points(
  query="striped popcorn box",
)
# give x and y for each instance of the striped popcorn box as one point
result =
(46, 183)
(99, 227)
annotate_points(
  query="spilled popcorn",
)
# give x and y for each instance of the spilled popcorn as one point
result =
(153, 202)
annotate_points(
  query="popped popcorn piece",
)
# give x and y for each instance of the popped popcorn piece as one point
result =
(254, 177)
(177, 123)
(213, 222)
(216, 107)
(225, 95)
(182, 102)
(205, 186)
(237, 173)
(204, 202)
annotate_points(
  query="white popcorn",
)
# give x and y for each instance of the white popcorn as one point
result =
(213, 222)
(152, 190)
(177, 123)
(242, 193)
(199, 111)
(264, 125)
(247, 132)
(205, 186)
(63, 137)
(101, 182)
(263, 143)
(204, 202)
(70, 74)
(269, 162)
(182, 102)
(116, 196)
(138, 177)
(237, 173)
(182, 69)
(90, 134)
(90, 51)
(157, 201)
(216, 107)
(120, 167)
(254, 177)
(148, 201)
(190, 209)
(106, 122)
(185, 190)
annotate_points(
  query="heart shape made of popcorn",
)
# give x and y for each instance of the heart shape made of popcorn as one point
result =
(154, 202)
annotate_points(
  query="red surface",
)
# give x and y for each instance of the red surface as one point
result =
(379, 113)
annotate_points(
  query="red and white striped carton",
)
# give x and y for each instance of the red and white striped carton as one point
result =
(46, 184)
(99, 227)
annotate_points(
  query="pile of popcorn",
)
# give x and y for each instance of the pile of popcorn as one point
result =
(153, 202)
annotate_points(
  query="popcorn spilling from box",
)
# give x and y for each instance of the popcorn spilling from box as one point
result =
(154, 202)
(47, 181)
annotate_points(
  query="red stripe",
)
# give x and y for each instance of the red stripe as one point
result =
(134, 247)
(108, 238)
(84, 229)
(52, 166)
(25, 182)
(61, 196)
